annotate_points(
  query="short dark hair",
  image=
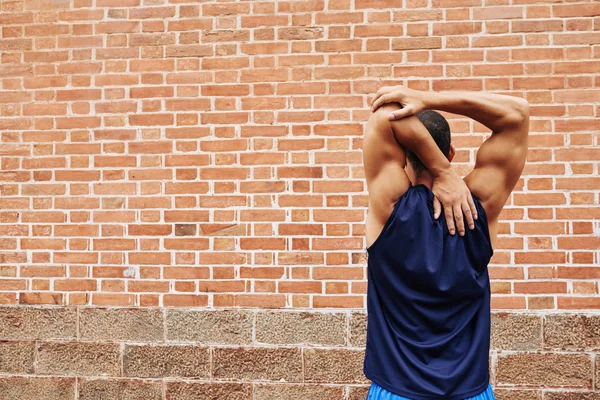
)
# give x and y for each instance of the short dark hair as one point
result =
(437, 125)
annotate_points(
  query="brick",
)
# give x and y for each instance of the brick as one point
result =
(571, 332)
(455, 3)
(334, 366)
(516, 332)
(184, 361)
(37, 323)
(119, 389)
(540, 287)
(551, 370)
(209, 327)
(17, 357)
(270, 364)
(208, 391)
(537, 26)
(578, 395)
(297, 328)
(225, 9)
(417, 43)
(300, 33)
(338, 301)
(27, 388)
(456, 28)
(583, 10)
(78, 359)
(379, 30)
(488, 13)
(182, 300)
(152, 12)
(297, 392)
(576, 38)
(338, 18)
(358, 392)
(121, 324)
(360, 4)
(511, 394)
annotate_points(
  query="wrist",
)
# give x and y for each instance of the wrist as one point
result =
(433, 100)
(441, 170)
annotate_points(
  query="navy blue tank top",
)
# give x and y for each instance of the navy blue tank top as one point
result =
(428, 302)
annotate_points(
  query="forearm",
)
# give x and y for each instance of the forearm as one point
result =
(497, 112)
(412, 135)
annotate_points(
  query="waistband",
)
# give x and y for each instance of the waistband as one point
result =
(376, 392)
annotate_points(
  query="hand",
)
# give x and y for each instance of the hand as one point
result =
(412, 101)
(452, 193)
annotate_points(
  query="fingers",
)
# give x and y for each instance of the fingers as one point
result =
(399, 114)
(381, 100)
(382, 91)
(458, 218)
(448, 213)
(466, 210)
(472, 206)
(437, 208)
(377, 96)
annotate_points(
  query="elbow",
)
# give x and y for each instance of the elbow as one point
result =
(382, 113)
(379, 117)
(378, 123)
(519, 114)
(522, 109)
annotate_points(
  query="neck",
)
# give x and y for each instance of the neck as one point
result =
(424, 178)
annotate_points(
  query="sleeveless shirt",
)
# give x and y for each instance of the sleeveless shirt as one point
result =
(428, 303)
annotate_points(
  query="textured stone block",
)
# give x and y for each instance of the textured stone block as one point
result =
(209, 391)
(299, 392)
(358, 392)
(358, 329)
(510, 394)
(119, 389)
(516, 332)
(214, 327)
(281, 327)
(17, 357)
(166, 361)
(121, 324)
(81, 359)
(37, 323)
(20, 388)
(572, 332)
(553, 370)
(334, 365)
(597, 370)
(257, 364)
(572, 395)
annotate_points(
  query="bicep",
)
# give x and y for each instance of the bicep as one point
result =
(498, 167)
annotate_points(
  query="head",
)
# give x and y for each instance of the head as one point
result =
(439, 129)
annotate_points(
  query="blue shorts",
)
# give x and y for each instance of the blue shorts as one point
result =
(376, 392)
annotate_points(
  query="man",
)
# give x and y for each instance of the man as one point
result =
(428, 295)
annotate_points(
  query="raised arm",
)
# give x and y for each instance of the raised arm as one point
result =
(501, 158)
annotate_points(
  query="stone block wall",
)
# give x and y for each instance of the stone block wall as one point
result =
(254, 354)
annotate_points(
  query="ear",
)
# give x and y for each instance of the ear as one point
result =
(452, 153)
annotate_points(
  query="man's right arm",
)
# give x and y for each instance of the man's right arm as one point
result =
(501, 158)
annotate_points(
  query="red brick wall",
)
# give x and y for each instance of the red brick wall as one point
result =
(207, 154)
